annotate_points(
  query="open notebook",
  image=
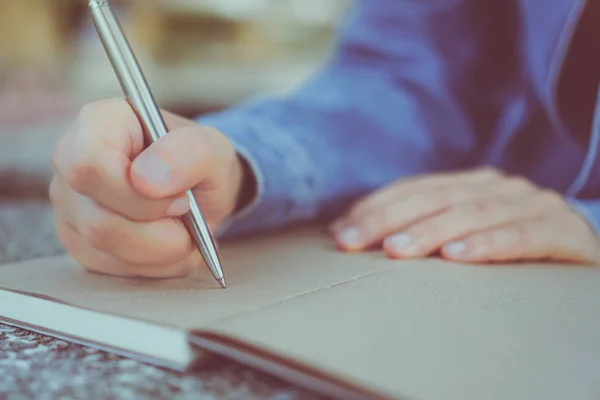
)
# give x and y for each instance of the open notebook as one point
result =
(351, 326)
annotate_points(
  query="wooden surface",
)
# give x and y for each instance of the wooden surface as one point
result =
(33, 366)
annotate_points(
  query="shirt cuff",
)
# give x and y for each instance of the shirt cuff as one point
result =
(287, 185)
(589, 210)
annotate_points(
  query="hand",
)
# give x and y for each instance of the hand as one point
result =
(115, 202)
(479, 216)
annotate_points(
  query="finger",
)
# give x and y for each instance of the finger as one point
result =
(484, 183)
(160, 242)
(106, 181)
(427, 236)
(184, 159)
(113, 123)
(397, 216)
(94, 159)
(410, 186)
(62, 203)
(93, 130)
(66, 203)
(542, 239)
(105, 263)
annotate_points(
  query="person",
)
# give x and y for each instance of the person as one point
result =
(468, 129)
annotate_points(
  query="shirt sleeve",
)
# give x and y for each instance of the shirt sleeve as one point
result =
(388, 104)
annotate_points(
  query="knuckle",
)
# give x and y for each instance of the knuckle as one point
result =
(482, 206)
(388, 219)
(377, 223)
(359, 209)
(374, 223)
(491, 172)
(150, 214)
(518, 183)
(99, 233)
(212, 132)
(213, 138)
(441, 197)
(220, 148)
(551, 199)
(83, 174)
(145, 211)
(428, 234)
(91, 110)
(462, 219)
(452, 197)
(100, 108)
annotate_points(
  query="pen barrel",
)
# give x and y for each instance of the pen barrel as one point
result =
(202, 237)
(139, 96)
(128, 71)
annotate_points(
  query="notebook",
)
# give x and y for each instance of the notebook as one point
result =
(349, 326)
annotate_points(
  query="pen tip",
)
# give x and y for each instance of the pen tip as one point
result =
(222, 282)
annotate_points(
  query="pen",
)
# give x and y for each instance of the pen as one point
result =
(142, 101)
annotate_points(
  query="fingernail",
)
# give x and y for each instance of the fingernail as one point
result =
(350, 237)
(154, 169)
(179, 207)
(398, 242)
(456, 248)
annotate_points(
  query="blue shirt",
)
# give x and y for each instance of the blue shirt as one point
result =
(420, 86)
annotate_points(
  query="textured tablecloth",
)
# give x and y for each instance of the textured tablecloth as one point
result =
(33, 366)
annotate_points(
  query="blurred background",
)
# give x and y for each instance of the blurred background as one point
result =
(198, 56)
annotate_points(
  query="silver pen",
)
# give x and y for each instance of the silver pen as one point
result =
(142, 101)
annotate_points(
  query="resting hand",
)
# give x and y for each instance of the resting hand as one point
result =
(478, 216)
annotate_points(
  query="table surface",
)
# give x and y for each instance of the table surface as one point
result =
(40, 367)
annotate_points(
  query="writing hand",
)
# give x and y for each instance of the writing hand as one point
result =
(115, 201)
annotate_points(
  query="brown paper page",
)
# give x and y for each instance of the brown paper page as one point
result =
(422, 330)
(259, 272)
(436, 331)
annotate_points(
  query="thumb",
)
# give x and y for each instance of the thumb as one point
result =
(181, 160)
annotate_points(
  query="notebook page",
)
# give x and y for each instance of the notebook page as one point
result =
(260, 271)
(432, 330)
